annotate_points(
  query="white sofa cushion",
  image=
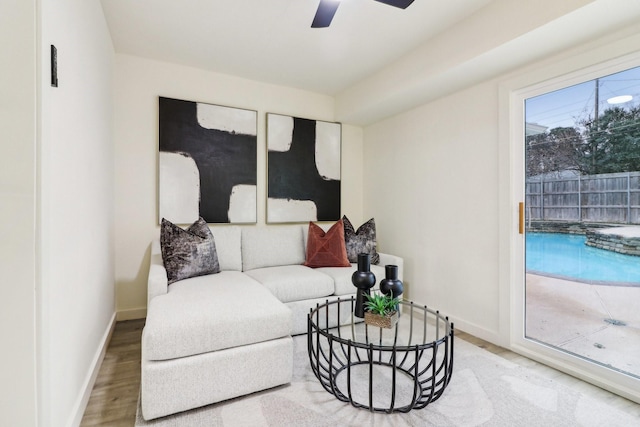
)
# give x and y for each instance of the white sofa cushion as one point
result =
(301, 309)
(170, 386)
(157, 281)
(293, 282)
(342, 277)
(210, 313)
(272, 246)
(228, 239)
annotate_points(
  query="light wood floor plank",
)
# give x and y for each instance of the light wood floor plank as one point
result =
(114, 397)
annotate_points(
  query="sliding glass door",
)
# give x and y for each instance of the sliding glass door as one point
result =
(581, 218)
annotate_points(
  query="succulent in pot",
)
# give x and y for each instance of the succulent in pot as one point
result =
(381, 310)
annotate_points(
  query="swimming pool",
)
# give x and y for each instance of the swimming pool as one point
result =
(567, 256)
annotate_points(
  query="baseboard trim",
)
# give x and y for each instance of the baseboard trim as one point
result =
(478, 331)
(464, 326)
(81, 404)
(131, 314)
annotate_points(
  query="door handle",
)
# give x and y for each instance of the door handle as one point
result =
(521, 217)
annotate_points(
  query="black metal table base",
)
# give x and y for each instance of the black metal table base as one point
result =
(388, 371)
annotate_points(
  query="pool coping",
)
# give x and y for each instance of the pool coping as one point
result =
(586, 281)
(623, 240)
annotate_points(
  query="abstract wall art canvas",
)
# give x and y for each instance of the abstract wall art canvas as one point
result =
(207, 163)
(304, 160)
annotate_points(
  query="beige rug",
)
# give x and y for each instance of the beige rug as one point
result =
(485, 390)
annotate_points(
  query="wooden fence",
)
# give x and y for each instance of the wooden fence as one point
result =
(607, 198)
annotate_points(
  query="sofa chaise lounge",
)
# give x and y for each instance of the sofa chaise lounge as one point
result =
(215, 337)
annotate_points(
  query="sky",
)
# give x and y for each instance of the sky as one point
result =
(565, 107)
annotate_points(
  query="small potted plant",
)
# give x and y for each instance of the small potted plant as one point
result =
(381, 310)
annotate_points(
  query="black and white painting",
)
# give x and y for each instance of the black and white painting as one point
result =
(207, 162)
(304, 159)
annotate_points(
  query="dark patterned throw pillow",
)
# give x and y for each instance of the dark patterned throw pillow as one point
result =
(188, 253)
(360, 241)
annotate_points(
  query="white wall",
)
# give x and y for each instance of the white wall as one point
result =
(17, 213)
(138, 83)
(432, 179)
(77, 306)
(446, 200)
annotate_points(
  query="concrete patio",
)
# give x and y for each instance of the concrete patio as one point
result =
(599, 322)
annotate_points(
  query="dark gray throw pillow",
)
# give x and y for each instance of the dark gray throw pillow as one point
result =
(360, 241)
(188, 253)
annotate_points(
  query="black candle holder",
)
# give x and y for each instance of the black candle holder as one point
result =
(391, 284)
(363, 279)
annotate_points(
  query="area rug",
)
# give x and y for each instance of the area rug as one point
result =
(486, 390)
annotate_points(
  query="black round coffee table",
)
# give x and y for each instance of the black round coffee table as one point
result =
(382, 370)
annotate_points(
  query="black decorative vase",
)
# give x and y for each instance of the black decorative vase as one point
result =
(363, 279)
(391, 284)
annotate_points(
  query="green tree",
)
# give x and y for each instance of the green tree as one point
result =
(611, 143)
(553, 151)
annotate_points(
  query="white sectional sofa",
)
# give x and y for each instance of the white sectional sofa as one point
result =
(219, 336)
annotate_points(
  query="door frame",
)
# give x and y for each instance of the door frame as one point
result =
(512, 94)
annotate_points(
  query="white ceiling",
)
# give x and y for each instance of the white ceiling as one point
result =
(272, 41)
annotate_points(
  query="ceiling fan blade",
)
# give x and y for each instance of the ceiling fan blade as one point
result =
(324, 15)
(402, 4)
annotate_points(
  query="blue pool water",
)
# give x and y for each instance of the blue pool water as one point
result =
(567, 256)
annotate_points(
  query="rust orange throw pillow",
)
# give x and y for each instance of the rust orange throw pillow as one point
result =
(326, 249)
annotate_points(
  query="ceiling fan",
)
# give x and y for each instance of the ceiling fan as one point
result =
(327, 8)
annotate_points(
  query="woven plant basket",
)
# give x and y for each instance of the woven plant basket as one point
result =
(386, 322)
